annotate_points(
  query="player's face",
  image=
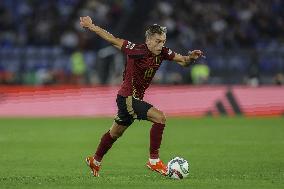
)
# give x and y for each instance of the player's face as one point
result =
(156, 42)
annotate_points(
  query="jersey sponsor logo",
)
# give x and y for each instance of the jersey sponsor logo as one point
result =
(158, 60)
(170, 52)
(130, 45)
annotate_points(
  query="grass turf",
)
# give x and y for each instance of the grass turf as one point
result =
(223, 153)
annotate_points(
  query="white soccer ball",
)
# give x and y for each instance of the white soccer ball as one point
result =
(178, 168)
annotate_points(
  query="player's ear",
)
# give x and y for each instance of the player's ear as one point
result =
(147, 38)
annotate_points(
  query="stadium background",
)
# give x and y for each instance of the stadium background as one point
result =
(42, 42)
(52, 68)
(42, 45)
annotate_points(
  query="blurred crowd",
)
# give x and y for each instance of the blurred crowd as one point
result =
(223, 23)
(243, 39)
(41, 41)
(54, 22)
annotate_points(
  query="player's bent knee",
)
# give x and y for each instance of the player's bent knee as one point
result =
(161, 118)
(116, 134)
(156, 116)
(117, 131)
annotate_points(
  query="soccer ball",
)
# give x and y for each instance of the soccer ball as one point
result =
(178, 168)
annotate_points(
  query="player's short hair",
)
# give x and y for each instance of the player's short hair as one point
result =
(155, 28)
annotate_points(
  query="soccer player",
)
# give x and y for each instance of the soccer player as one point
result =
(142, 62)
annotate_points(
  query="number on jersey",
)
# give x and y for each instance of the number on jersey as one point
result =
(130, 45)
(149, 73)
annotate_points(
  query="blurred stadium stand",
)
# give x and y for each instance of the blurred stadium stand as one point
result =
(243, 40)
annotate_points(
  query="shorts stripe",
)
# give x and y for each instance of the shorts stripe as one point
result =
(130, 107)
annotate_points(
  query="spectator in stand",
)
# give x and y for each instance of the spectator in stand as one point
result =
(222, 25)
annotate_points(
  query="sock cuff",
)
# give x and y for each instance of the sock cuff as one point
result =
(154, 156)
(154, 161)
(159, 124)
(98, 158)
(109, 137)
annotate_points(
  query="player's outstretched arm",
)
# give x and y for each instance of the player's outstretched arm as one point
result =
(87, 22)
(190, 58)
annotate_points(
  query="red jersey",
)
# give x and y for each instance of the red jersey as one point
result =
(141, 66)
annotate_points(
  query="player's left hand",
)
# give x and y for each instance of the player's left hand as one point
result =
(195, 54)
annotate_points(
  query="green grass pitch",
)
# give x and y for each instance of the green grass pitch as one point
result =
(222, 152)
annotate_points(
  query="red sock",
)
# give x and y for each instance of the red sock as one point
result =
(104, 146)
(156, 135)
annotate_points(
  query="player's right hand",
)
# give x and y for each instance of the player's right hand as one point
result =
(195, 54)
(86, 21)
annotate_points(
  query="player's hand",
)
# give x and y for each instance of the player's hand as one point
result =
(86, 21)
(195, 54)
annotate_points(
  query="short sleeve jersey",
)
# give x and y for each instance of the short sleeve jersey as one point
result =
(141, 66)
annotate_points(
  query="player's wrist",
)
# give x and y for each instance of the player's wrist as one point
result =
(190, 59)
(92, 27)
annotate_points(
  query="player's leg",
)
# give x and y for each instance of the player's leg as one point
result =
(146, 111)
(117, 130)
(105, 144)
(156, 134)
(123, 119)
(156, 116)
(108, 139)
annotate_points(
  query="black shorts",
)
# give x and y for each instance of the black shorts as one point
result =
(129, 109)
